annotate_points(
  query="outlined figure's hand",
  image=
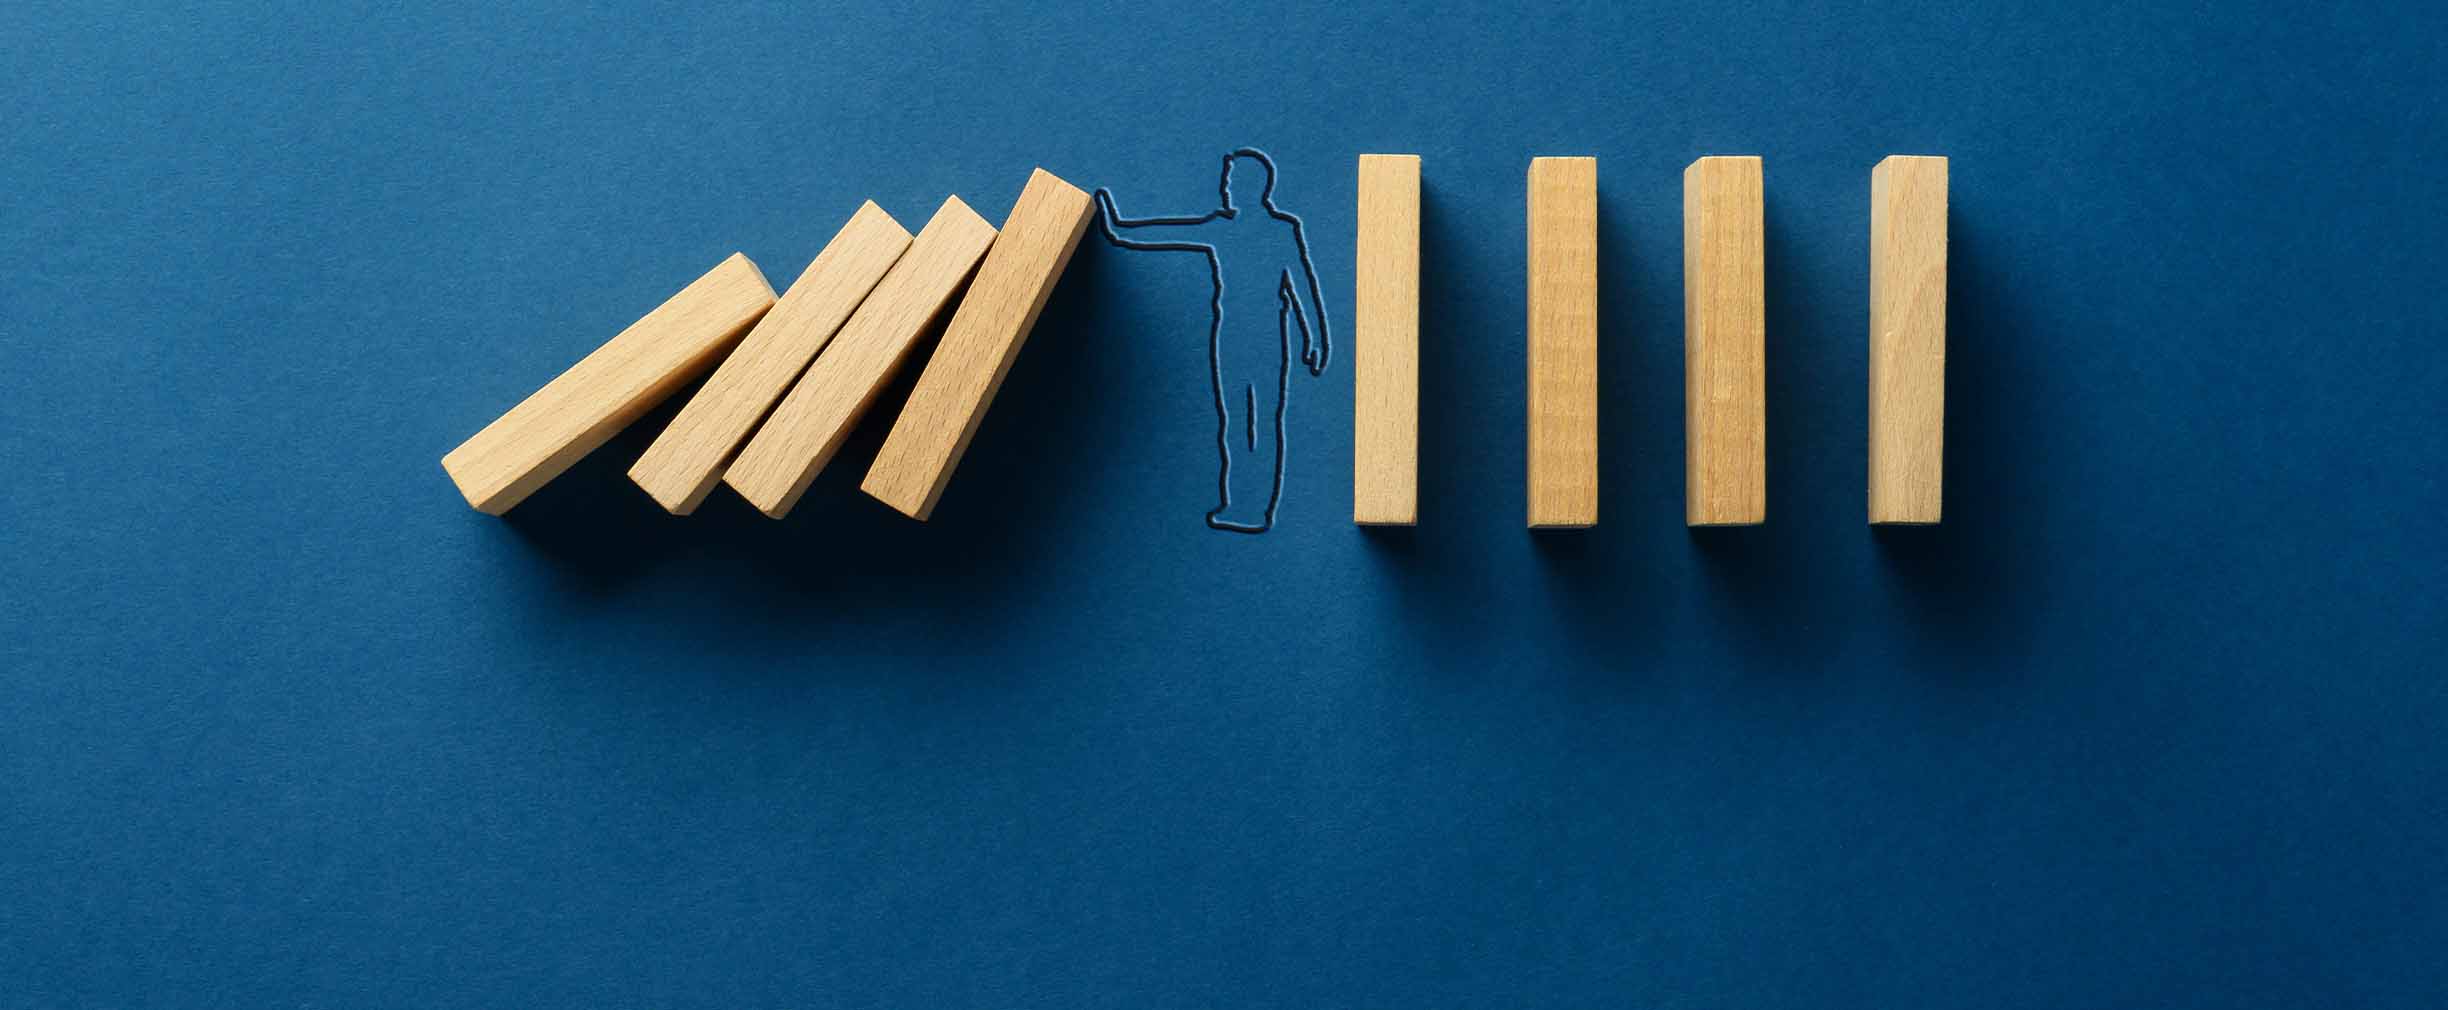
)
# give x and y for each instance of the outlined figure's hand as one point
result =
(1105, 211)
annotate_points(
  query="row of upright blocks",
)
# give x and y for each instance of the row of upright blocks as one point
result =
(1725, 358)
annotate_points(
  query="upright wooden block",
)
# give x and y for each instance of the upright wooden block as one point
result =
(687, 460)
(609, 388)
(1385, 373)
(1563, 343)
(1725, 411)
(787, 453)
(979, 345)
(1908, 250)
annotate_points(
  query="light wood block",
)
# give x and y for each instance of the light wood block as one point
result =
(1385, 371)
(1563, 337)
(794, 445)
(609, 388)
(687, 460)
(1908, 251)
(978, 346)
(1725, 355)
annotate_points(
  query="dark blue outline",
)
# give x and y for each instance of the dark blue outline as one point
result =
(1315, 351)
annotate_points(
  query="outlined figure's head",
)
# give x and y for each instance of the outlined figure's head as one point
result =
(1261, 171)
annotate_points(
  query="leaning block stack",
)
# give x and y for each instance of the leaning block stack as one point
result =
(792, 377)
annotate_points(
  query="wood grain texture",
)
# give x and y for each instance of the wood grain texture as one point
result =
(978, 346)
(793, 446)
(687, 459)
(1725, 355)
(1385, 370)
(1908, 253)
(1563, 338)
(585, 406)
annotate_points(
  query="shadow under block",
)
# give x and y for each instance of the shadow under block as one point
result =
(1908, 252)
(1385, 373)
(1725, 363)
(794, 445)
(1563, 338)
(978, 346)
(687, 459)
(609, 388)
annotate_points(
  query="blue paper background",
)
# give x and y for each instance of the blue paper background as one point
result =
(2155, 719)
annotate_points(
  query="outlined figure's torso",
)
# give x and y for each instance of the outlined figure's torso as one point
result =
(1251, 376)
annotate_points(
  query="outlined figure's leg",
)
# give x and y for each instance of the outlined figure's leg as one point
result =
(1250, 372)
(1220, 517)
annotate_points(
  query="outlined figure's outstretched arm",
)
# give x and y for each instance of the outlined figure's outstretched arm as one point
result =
(1109, 218)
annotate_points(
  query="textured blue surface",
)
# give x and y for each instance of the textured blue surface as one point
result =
(2156, 719)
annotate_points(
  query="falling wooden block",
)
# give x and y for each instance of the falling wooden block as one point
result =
(1725, 412)
(978, 346)
(1563, 343)
(792, 447)
(687, 460)
(606, 390)
(1908, 251)
(1385, 373)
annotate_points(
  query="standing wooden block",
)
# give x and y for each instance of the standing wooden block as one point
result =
(1908, 251)
(1563, 343)
(1725, 370)
(597, 397)
(978, 346)
(686, 461)
(1385, 376)
(793, 446)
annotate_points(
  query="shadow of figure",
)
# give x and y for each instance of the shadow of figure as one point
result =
(1239, 367)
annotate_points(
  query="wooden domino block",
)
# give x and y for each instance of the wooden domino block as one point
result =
(792, 447)
(609, 388)
(1908, 250)
(1385, 371)
(1725, 411)
(687, 460)
(978, 346)
(1563, 337)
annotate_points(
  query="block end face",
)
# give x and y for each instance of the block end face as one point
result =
(1040, 177)
(899, 499)
(492, 502)
(739, 261)
(957, 217)
(869, 213)
(674, 497)
(1385, 516)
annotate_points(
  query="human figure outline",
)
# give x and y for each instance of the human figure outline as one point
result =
(1237, 359)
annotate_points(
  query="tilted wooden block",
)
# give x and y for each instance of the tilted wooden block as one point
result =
(978, 346)
(792, 447)
(1725, 410)
(609, 388)
(1385, 370)
(1908, 251)
(1563, 337)
(687, 460)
